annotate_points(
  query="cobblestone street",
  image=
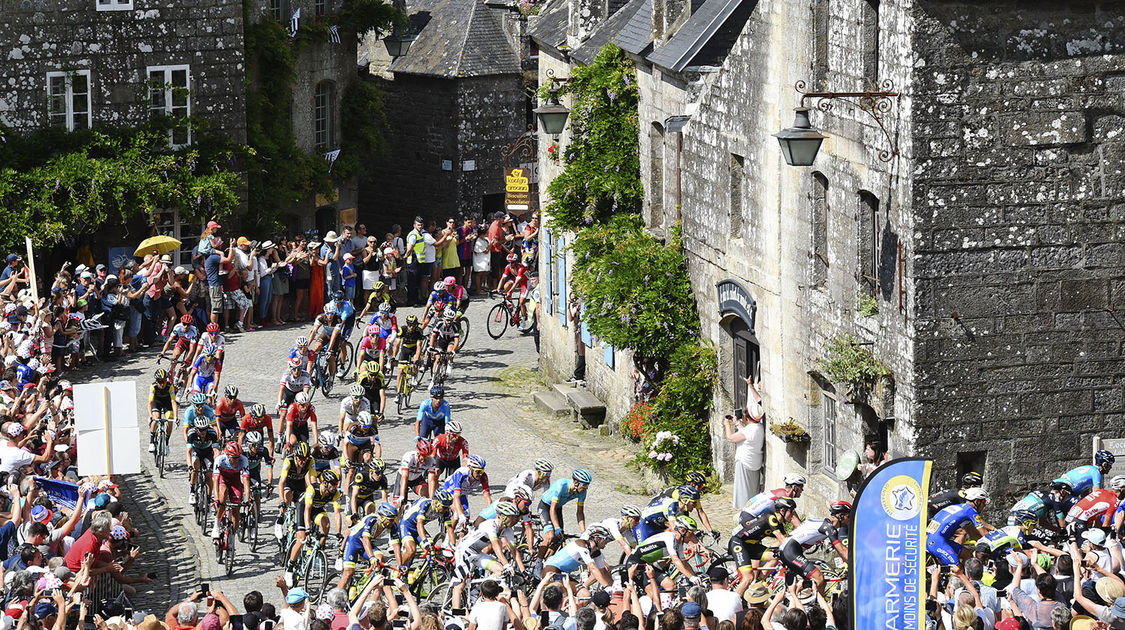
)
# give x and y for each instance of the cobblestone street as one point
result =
(490, 394)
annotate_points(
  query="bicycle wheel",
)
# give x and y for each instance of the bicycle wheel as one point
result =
(347, 356)
(326, 380)
(497, 321)
(255, 524)
(441, 370)
(229, 554)
(316, 575)
(463, 323)
(431, 585)
(525, 324)
(160, 446)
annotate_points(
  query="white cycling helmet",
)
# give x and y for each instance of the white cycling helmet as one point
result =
(1117, 483)
(794, 479)
(302, 398)
(521, 492)
(976, 494)
(364, 417)
(356, 390)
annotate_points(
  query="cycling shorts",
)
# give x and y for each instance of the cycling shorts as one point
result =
(466, 564)
(206, 455)
(162, 406)
(298, 486)
(228, 426)
(644, 529)
(746, 553)
(544, 510)
(447, 466)
(301, 431)
(319, 517)
(406, 353)
(203, 383)
(234, 490)
(354, 552)
(947, 553)
(288, 397)
(792, 555)
(567, 563)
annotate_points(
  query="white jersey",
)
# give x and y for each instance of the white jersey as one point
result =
(351, 408)
(526, 478)
(614, 526)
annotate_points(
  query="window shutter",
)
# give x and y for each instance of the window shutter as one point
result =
(564, 290)
(609, 355)
(547, 296)
(586, 339)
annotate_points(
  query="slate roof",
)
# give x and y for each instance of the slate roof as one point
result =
(635, 36)
(607, 30)
(551, 24)
(707, 35)
(456, 38)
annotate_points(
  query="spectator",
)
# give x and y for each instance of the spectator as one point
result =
(723, 603)
(491, 614)
(418, 267)
(497, 248)
(750, 438)
(295, 615)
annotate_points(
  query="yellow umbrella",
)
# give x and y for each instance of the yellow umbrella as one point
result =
(162, 245)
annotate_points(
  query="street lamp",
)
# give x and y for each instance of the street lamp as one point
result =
(397, 43)
(552, 115)
(800, 143)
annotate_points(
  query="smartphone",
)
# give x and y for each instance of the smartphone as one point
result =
(399, 599)
(385, 572)
(205, 589)
(457, 612)
(398, 623)
(402, 612)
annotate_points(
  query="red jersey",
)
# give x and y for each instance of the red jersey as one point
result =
(518, 274)
(225, 409)
(295, 418)
(249, 423)
(450, 449)
(1095, 508)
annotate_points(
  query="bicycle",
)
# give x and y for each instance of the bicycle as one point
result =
(439, 366)
(252, 519)
(345, 356)
(224, 546)
(323, 376)
(430, 581)
(201, 490)
(504, 314)
(407, 383)
(312, 567)
(161, 454)
(178, 373)
(289, 533)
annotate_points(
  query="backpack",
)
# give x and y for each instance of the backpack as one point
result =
(558, 623)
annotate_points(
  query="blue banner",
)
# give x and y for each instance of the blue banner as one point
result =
(887, 547)
(63, 493)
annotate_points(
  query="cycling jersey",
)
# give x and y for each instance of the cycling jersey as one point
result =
(231, 468)
(410, 336)
(941, 500)
(372, 345)
(291, 469)
(1095, 508)
(439, 299)
(489, 511)
(754, 529)
(250, 423)
(306, 356)
(1004, 539)
(518, 274)
(296, 384)
(227, 409)
(326, 325)
(658, 549)
(295, 418)
(575, 554)
(1084, 478)
(216, 339)
(161, 397)
(447, 331)
(559, 492)
(366, 483)
(1040, 504)
(946, 522)
(319, 500)
(763, 502)
(204, 368)
(432, 421)
(450, 447)
(344, 309)
(655, 518)
(371, 380)
(378, 298)
(527, 478)
(186, 333)
(420, 512)
(256, 457)
(370, 527)
(481, 536)
(414, 466)
(613, 524)
(814, 530)
(461, 481)
(189, 415)
(360, 434)
(206, 440)
(390, 322)
(351, 407)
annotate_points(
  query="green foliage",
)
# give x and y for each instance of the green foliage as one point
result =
(55, 184)
(790, 431)
(867, 305)
(361, 16)
(363, 117)
(601, 176)
(681, 408)
(846, 361)
(635, 290)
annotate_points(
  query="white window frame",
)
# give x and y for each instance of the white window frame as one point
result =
(167, 222)
(330, 141)
(168, 91)
(831, 430)
(69, 75)
(113, 5)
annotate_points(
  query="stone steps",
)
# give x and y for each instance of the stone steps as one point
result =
(552, 402)
(584, 407)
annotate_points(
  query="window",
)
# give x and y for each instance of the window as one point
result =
(114, 5)
(821, 17)
(870, 34)
(277, 10)
(169, 95)
(324, 115)
(868, 241)
(819, 222)
(68, 99)
(656, 170)
(737, 179)
(321, 7)
(829, 410)
(168, 223)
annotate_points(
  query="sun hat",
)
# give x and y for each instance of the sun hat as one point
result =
(296, 596)
(331, 237)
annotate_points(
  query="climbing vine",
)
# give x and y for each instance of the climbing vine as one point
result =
(847, 361)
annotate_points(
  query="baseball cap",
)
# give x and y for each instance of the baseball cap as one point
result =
(80, 268)
(717, 573)
(1011, 623)
(600, 599)
(41, 514)
(101, 500)
(213, 225)
(43, 609)
(100, 267)
(296, 596)
(210, 621)
(242, 240)
(1095, 536)
(349, 256)
(13, 258)
(691, 609)
(6, 385)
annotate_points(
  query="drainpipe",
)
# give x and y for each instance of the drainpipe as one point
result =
(675, 124)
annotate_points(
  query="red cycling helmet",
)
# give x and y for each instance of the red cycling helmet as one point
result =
(187, 320)
(212, 327)
(234, 449)
(425, 449)
(513, 258)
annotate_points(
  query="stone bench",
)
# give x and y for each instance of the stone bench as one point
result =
(588, 410)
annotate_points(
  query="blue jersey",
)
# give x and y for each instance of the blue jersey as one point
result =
(189, 415)
(462, 480)
(560, 492)
(344, 309)
(426, 412)
(946, 522)
(1084, 478)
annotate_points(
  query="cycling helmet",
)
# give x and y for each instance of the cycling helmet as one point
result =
(302, 398)
(976, 494)
(449, 281)
(439, 286)
(198, 399)
(424, 448)
(119, 532)
(294, 363)
(521, 492)
(257, 410)
(794, 480)
(507, 509)
(1102, 458)
(231, 391)
(476, 461)
(449, 315)
(365, 418)
(329, 309)
(327, 439)
(378, 286)
(356, 390)
(444, 497)
(691, 493)
(972, 480)
(384, 308)
(233, 449)
(302, 342)
(210, 350)
(387, 510)
(254, 437)
(201, 422)
(337, 295)
(785, 503)
(686, 523)
(840, 508)
(582, 476)
(212, 328)
(372, 330)
(513, 258)
(628, 511)
(411, 320)
(696, 478)
(453, 427)
(544, 465)
(187, 320)
(596, 530)
(1024, 517)
(377, 465)
(1117, 483)
(371, 366)
(328, 477)
(302, 451)
(437, 391)
(1062, 484)
(160, 374)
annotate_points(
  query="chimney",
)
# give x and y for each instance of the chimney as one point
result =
(584, 16)
(667, 17)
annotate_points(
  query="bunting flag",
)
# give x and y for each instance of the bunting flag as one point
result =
(333, 35)
(295, 22)
(331, 157)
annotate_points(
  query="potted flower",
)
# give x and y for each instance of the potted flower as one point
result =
(790, 431)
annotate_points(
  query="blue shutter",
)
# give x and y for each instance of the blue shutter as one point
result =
(609, 355)
(546, 296)
(586, 339)
(564, 290)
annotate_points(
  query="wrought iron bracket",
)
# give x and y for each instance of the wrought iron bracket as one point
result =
(876, 103)
(523, 147)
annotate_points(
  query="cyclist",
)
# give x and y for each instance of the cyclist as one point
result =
(229, 409)
(412, 526)
(746, 541)
(436, 304)
(346, 310)
(586, 550)
(359, 541)
(202, 447)
(446, 337)
(324, 451)
(325, 332)
(1096, 509)
(230, 478)
(941, 500)
(658, 515)
(300, 420)
(520, 496)
(550, 506)
(373, 381)
(417, 472)
(699, 482)
(211, 335)
(450, 448)
(536, 478)
(515, 275)
(374, 345)
(302, 353)
(486, 547)
(686, 498)
(161, 405)
(294, 480)
(361, 439)
(198, 409)
(258, 420)
(408, 346)
(313, 515)
(1085, 478)
(1015, 538)
(660, 552)
(433, 414)
(1051, 505)
(369, 479)
(791, 552)
(621, 527)
(379, 294)
(204, 374)
(459, 294)
(183, 335)
(351, 406)
(762, 502)
(257, 452)
(464, 480)
(947, 528)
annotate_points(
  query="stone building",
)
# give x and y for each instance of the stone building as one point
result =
(456, 97)
(989, 242)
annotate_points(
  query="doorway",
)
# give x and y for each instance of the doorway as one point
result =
(747, 360)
